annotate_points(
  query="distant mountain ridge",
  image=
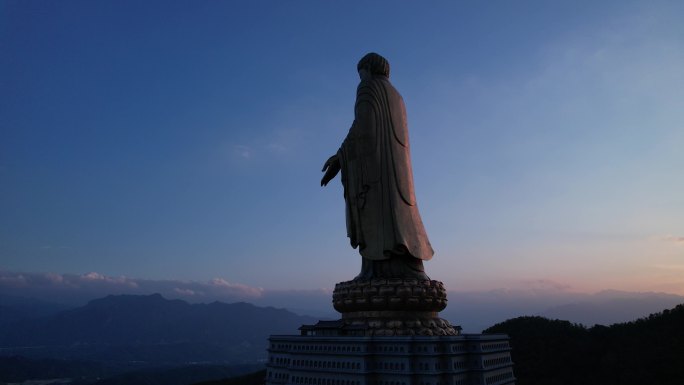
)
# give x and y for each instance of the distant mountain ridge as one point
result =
(476, 311)
(14, 309)
(152, 329)
(611, 306)
(473, 310)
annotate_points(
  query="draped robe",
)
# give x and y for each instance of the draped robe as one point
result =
(381, 212)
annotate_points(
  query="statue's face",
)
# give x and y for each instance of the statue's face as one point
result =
(364, 74)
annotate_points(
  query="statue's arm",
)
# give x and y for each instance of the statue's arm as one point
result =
(331, 168)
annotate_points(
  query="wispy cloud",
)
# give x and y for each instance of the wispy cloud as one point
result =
(544, 285)
(99, 278)
(76, 289)
(276, 147)
(242, 151)
(673, 239)
(221, 285)
(276, 143)
(185, 292)
(669, 267)
(52, 247)
(13, 281)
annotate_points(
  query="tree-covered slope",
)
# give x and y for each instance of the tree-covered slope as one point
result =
(647, 351)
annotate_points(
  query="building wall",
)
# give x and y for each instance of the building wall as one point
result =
(333, 360)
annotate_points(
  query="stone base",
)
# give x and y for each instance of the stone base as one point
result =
(469, 359)
(389, 294)
(391, 307)
(384, 323)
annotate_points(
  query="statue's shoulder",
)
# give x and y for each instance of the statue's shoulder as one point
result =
(373, 87)
(367, 91)
(364, 86)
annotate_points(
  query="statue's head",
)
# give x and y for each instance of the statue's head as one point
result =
(374, 64)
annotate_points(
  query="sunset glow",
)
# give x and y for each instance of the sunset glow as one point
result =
(183, 141)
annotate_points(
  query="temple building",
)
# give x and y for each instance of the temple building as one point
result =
(370, 346)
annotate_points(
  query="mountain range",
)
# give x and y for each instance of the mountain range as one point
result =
(151, 330)
(125, 338)
(478, 310)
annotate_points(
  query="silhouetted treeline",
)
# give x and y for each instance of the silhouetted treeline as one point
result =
(552, 352)
(256, 378)
(185, 375)
(18, 369)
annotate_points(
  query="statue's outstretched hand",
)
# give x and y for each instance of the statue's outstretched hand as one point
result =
(331, 168)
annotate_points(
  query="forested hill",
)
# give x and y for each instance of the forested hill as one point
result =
(256, 378)
(552, 352)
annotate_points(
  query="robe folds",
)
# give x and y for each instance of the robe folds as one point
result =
(381, 211)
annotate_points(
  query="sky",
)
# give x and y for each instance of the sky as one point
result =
(182, 141)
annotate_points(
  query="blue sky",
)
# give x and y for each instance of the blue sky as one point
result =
(183, 140)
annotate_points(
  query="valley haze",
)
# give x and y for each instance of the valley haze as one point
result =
(473, 310)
